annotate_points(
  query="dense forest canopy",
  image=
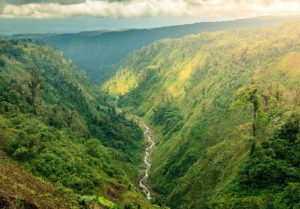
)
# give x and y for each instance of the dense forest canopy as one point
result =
(54, 124)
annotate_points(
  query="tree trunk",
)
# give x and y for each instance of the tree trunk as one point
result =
(254, 115)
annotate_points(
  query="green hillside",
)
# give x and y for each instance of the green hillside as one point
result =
(225, 110)
(54, 127)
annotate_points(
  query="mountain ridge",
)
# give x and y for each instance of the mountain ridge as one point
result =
(98, 54)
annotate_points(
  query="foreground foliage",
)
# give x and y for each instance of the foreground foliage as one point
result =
(270, 177)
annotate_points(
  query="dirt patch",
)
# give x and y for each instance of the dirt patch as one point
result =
(113, 191)
(19, 189)
(4, 202)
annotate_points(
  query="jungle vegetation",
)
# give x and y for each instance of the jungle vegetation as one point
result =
(54, 126)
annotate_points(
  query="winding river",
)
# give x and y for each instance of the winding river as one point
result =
(147, 161)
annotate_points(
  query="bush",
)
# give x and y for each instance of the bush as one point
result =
(275, 161)
(22, 153)
(290, 197)
(168, 116)
(2, 64)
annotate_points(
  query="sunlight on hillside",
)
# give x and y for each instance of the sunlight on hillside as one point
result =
(291, 63)
(177, 87)
(124, 81)
(196, 63)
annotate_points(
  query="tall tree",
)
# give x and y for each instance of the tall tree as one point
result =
(249, 96)
(297, 98)
(35, 86)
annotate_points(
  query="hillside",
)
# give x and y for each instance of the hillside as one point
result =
(54, 126)
(225, 110)
(98, 51)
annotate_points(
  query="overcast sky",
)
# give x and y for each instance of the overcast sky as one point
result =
(64, 16)
(205, 9)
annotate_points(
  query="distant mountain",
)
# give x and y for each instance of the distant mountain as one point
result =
(97, 52)
(225, 109)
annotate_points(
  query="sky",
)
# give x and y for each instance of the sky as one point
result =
(110, 14)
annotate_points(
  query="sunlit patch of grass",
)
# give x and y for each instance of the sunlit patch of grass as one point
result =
(291, 63)
(196, 63)
(124, 81)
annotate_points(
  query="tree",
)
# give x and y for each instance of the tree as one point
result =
(297, 98)
(2, 64)
(35, 86)
(69, 118)
(249, 96)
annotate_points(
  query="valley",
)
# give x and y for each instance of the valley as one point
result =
(202, 116)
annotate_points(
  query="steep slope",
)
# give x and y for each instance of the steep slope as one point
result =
(54, 127)
(21, 190)
(97, 52)
(210, 98)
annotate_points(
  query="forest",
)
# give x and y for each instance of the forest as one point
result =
(222, 106)
(55, 127)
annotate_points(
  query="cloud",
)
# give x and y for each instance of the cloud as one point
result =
(213, 9)
(21, 2)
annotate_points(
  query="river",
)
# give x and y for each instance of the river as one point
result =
(147, 161)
